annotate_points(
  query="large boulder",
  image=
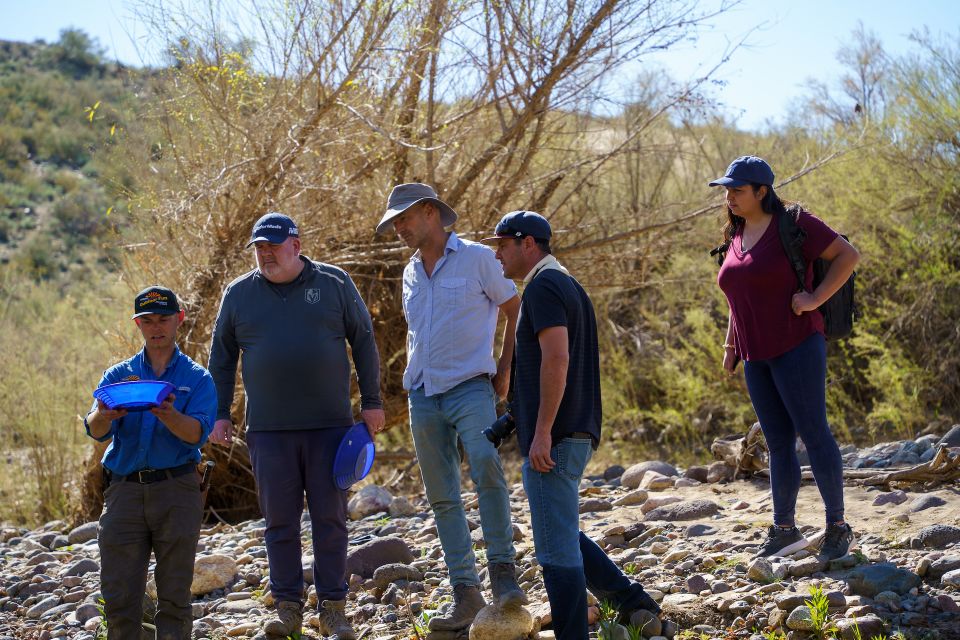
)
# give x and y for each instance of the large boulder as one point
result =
(369, 557)
(869, 580)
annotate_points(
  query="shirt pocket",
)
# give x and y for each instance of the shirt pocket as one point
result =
(453, 292)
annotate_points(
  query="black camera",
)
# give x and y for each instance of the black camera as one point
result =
(500, 429)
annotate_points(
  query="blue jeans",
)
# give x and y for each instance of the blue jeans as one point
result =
(789, 395)
(437, 422)
(287, 465)
(572, 562)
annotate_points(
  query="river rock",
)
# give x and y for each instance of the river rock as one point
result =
(84, 533)
(655, 502)
(368, 557)
(79, 568)
(687, 510)
(653, 481)
(869, 580)
(632, 477)
(369, 500)
(495, 623)
(388, 573)
(943, 565)
(926, 502)
(635, 497)
(951, 579)
(951, 438)
(891, 497)
(212, 572)
(648, 622)
(800, 619)
(592, 505)
(760, 570)
(936, 536)
(862, 627)
(400, 507)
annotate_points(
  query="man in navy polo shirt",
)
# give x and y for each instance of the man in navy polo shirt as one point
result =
(152, 499)
(556, 403)
(292, 319)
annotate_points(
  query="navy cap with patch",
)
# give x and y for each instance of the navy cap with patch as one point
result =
(274, 228)
(745, 170)
(155, 299)
(518, 224)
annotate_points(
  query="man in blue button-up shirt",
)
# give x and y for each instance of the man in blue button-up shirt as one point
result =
(453, 290)
(152, 499)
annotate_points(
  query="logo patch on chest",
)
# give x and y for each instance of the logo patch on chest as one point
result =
(312, 296)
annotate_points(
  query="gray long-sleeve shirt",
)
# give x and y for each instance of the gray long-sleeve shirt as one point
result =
(293, 341)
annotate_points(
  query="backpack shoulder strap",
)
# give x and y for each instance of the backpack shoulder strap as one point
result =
(792, 237)
(720, 252)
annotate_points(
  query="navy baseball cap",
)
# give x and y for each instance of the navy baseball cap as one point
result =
(745, 170)
(518, 224)
(155, 299)
(274, 228)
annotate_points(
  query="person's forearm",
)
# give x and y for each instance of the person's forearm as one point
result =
(553, 382)
(184, 427)
(839, 272)
(99, 425)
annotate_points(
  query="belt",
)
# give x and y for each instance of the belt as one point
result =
(148, 476)
(579, 435)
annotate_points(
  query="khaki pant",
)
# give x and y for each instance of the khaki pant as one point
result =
(163, 517)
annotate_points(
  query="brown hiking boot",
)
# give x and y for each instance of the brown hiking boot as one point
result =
(467, 602)
(333, 620)
(289, 620)
(503, 585)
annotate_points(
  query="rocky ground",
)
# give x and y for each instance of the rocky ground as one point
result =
(686, 534)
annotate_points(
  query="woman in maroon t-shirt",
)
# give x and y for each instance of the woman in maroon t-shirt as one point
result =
(775, 328)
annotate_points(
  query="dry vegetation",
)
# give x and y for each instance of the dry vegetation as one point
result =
(318, 109)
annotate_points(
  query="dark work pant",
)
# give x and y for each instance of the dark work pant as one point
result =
(286, 465)
(163, 517)
(789, 395)
(606, 581)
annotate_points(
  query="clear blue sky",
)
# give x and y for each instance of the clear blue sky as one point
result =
(794, 40)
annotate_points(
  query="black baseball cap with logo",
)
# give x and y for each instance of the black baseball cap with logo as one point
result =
(155, 299)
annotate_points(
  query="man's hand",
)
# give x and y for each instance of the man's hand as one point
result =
(375, 419)
(108, 414)
(165, 411)
(539, 456)
(222, 433)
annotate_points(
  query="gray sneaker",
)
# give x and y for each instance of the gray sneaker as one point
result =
(333, 620)
(289, 620)
(781, 542)
(838, 540)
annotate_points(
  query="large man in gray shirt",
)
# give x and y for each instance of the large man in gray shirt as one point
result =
(291, 319)
(452, 291)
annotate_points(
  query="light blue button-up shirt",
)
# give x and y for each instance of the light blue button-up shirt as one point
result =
(452, 316)
(140, 440)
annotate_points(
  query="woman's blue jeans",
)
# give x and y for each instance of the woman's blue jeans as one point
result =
(789, 395)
